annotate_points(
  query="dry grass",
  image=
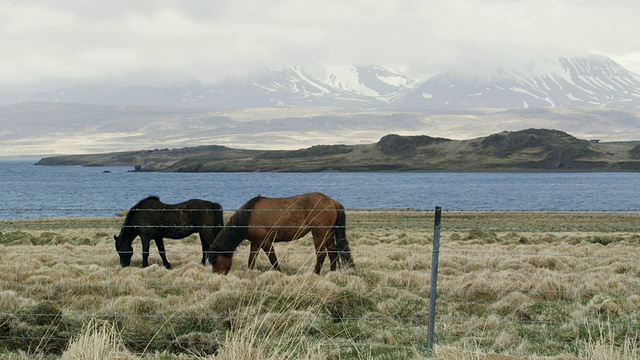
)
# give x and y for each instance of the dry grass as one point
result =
(97, 340)
(511, 285)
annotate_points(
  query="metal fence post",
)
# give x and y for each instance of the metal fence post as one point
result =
(434, 279)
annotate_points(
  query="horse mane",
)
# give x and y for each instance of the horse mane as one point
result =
(236, 228)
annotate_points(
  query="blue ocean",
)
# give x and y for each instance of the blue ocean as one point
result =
(30, 191)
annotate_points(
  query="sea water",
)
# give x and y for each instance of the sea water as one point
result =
(28, 191)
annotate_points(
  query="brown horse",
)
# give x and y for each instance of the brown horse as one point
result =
(264, 221)
(150, 219)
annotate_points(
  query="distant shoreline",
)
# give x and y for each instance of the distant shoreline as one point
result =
(525, 150)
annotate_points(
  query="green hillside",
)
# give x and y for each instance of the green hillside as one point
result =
(531, 149)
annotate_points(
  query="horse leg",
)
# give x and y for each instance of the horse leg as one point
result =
(267, 246)
(321, 253)
(205, 247)
(320, 242)
(145, 250)
(333, 253)
(320, 256)
(163, 253)
(253, 252)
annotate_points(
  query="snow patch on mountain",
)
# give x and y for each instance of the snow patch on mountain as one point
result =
(347, 78)
(298, 71)
(397, 81)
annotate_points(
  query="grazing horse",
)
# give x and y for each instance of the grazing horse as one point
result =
(152, 219)
(264, 221)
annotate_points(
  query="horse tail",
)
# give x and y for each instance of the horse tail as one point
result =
(342, 245)
(218, 220)
(217, 226)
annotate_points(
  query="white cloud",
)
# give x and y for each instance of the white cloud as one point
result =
(173, 40)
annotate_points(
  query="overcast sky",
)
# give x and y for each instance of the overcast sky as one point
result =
(174, 41)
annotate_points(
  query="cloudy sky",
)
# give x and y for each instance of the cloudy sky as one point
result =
(173, 41)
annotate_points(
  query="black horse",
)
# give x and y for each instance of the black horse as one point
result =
(152, 219)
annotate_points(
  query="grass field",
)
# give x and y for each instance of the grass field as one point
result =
(511, 285)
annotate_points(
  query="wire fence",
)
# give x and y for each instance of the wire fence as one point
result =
(508, 282)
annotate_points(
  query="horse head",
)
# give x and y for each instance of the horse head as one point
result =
(124, 249)
(220, 261)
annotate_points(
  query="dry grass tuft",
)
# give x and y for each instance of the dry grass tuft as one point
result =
(98, 340)
(542, 287)
(604, 344)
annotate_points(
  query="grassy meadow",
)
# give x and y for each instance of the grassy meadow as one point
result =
(511, 285)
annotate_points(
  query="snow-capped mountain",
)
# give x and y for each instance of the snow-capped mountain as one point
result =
(592, 81)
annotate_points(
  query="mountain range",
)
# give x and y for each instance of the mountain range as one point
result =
(592, 81)
(591, 97)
